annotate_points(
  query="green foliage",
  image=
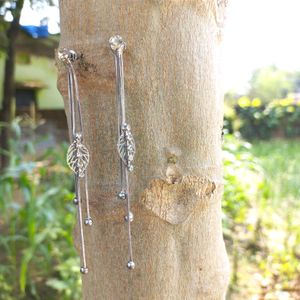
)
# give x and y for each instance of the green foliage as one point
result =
(262, 213)
(37, 217)
(279, 118)
(281, 214)
(229, 120)
(243, 180)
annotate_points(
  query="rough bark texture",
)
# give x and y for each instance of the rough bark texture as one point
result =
(174, 106)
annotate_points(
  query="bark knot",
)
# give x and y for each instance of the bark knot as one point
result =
(174, 203)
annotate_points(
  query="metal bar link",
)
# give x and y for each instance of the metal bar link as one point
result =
(78, 156)
(126, 145)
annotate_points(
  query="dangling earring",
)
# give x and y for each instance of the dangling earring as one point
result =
(126, 145)
(78, 154)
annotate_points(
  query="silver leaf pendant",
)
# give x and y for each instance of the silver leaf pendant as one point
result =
(126, 146)
(78, 156)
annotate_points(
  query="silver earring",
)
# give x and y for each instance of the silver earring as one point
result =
(126, 145)
(78, 155)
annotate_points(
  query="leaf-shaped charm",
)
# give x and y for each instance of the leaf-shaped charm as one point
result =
(78, 157)
(126, 146)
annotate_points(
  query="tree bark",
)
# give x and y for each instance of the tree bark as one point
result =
(9, 83)
(174, 107)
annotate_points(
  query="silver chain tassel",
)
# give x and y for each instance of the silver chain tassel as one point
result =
(126, 145)
(78, 154)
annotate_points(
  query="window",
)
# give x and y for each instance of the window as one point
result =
(25, 98)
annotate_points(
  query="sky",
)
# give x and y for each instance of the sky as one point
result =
(31, 16)
(257, 33)
(260, 33)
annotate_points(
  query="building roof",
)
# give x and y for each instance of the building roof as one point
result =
(26, 43)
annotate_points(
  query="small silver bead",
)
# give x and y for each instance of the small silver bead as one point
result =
(130, 168)
(131, 265)
(78, 137)
(129, 217)
(125, 127)
(75, 201)
(84, 270)
(88, 221)
(122, 195)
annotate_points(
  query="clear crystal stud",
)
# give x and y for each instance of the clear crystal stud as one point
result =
(66, 55)
(84, 270)
(117, 44)
(88, 221)
(131, 265)
(129, 217)
(72, 55)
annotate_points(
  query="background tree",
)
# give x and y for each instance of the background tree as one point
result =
(270, 83)
(12, 29)
(174, 106)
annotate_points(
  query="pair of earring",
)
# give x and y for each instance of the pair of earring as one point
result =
(78, 156)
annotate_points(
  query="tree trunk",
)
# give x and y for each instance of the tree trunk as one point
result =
(9, 83)
(174, 107)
